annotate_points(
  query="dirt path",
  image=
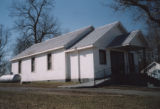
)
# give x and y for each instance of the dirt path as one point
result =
(82, 91)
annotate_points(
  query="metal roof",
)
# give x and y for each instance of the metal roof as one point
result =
(63, 41)
(80, 38)
(91, 38)
(123, 39)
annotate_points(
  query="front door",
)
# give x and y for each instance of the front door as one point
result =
(117, 65)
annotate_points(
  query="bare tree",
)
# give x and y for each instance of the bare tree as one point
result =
(21, 44)
(4, 34)
(34, 21)
(148, 10)
(153, 37)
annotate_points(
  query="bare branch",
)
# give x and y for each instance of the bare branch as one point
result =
(4, 34)
(34, 21)
(149, 10)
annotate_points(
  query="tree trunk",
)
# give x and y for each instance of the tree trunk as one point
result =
(158, 52)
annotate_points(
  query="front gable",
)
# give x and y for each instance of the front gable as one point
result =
(114, 31)
(132, 40)
(138, 40)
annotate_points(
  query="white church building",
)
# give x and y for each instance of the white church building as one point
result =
(82, 55)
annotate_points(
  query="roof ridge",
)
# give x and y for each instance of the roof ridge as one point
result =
(110, 26)
(116, 22)
(62, 35)
(135, 31)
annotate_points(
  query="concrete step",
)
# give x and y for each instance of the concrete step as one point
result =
(87, 84)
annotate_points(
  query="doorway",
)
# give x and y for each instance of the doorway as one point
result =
(117, 65)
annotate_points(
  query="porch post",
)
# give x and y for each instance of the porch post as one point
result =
(126, 63)
(144, 58)
(79, 71)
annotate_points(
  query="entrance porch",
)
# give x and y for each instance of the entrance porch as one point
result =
(124, 55)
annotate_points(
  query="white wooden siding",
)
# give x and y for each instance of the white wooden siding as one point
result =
(41, 72)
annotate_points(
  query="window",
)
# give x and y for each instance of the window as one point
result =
(102, 56)
(49, 61)
(33, 64)
(19, 67)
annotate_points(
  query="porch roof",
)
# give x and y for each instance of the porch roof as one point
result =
(129, 41)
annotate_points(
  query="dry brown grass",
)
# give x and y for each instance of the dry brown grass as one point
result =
(129, 87)
(15, 100)
(52, 84)
(37, 84)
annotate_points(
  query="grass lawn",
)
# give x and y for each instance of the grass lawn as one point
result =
(37, 84)
(19, 100)
(52, 84)
(130, 87)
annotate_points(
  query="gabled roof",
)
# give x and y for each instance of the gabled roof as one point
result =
(80, 38)
(94, 36)
(118, 41)
(85, 37)
(126, 39)
(63, 41)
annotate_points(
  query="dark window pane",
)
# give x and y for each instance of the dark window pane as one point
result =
(33, 64)
(49, 61)
(19, 67)
(102, 56)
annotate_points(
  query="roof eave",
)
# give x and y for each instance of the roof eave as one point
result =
(38, 53)
(79, 48)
